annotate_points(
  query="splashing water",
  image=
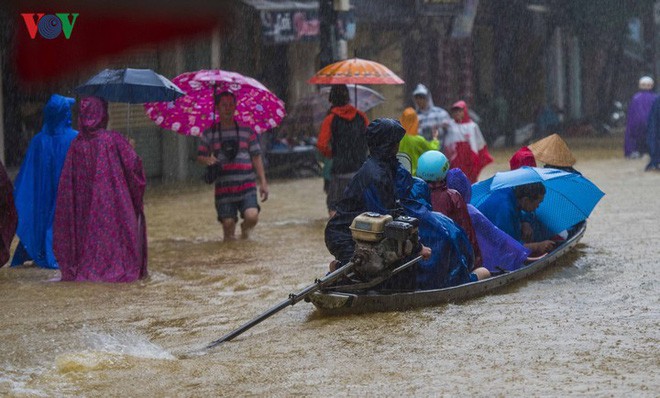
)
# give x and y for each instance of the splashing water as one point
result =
(125, 343)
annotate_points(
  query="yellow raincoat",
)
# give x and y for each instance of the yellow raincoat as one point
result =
(413, 144)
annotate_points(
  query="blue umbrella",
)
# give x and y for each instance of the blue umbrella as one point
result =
(569, 197)
(134, 86)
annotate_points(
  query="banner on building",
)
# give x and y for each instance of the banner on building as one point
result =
(285, 26)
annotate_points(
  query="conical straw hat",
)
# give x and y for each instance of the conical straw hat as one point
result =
(552, 150)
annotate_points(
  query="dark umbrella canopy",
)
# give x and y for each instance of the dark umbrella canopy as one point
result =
(134, 86)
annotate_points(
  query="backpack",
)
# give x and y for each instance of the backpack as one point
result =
(349, 144)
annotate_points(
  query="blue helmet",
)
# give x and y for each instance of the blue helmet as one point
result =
(432, 166)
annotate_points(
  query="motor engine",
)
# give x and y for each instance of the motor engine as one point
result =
(381, 241)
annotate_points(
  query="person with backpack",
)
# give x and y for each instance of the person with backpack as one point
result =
(342, 138)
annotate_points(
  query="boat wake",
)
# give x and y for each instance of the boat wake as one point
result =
(125, 343)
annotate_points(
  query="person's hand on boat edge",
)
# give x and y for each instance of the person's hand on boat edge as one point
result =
(540, 248)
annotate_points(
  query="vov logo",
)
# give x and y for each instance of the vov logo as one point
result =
(49, 26)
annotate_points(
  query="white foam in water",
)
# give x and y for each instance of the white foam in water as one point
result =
(125, 343)
(17, 380)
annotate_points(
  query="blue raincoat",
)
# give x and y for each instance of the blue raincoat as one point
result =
(499, 250)
(35, 188)
(371, 189)
(383, 186)
(452, 255)
(502, 210)
(653, 136)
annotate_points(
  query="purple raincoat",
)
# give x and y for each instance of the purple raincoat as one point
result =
(636, 120)
(8, 215)
(99, 229)
(498, 250)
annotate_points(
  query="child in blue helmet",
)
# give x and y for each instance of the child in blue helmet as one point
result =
(432, 167)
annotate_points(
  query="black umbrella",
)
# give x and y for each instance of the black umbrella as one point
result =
(134, 86)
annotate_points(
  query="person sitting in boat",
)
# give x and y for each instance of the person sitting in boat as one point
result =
(500, 251)
(553, 152)
(412, 144)
(505, 209)
(371, 189)
(432, 167)
(452, 255)
(525, 157)
(522, 157)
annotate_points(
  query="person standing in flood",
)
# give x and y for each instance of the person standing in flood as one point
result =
(235, 150)
(8, 216)
(100, 230)
(637, 119)
(653, 137)
(342, 138)
(433, 120)
(465, 146)
(37, 184)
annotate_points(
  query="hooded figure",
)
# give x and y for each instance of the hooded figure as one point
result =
(37, 183)
(499, 250)
(653, 137)
(100, 232)
(637, 119)
(371, 189)
(8, 216)
(522, 157)
(465, 146)
(413, 144)
(432, 119)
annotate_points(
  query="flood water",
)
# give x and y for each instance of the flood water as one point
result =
(588, 326)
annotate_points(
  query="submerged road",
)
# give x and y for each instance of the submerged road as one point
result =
(589, 326)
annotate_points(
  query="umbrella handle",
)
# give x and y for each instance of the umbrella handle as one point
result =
(215, 93)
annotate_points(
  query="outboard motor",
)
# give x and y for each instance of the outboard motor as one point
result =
(381, 241)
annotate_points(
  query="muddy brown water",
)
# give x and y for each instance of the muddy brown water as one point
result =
(588, 326)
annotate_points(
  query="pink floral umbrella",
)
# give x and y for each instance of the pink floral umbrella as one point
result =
(193, 113)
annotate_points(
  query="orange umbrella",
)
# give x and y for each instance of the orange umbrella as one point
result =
(355, 71)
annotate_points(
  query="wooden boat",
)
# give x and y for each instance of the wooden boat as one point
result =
(338, 302)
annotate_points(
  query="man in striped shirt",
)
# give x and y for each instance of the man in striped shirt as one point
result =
(237, 151)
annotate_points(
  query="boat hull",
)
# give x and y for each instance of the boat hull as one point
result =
(336, 302)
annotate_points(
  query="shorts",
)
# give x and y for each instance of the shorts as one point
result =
(230, 209)
(335, 191)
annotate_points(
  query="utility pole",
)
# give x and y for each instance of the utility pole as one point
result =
(327, 18)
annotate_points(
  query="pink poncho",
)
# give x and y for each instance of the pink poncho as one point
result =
(99, 228)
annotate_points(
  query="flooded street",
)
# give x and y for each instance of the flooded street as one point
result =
(589, 326)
